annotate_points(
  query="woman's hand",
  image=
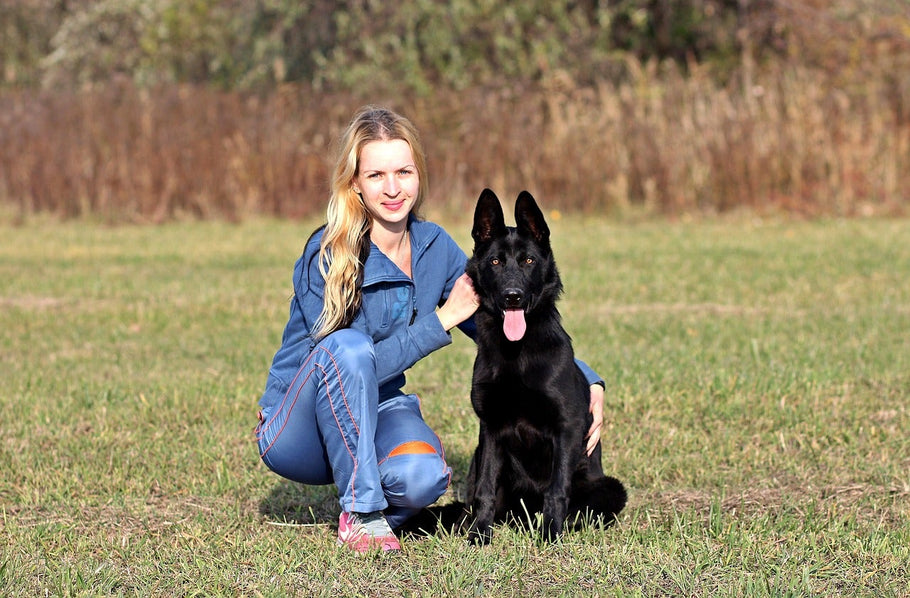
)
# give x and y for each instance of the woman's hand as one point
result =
(597, 410)
(463, 301)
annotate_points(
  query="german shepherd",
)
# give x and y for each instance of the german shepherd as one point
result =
(531, 397)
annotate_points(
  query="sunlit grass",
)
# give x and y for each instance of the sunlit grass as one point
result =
(756, 410)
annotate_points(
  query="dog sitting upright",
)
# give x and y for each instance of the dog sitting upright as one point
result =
(530, 395)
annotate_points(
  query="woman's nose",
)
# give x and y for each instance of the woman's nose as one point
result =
(391, 186)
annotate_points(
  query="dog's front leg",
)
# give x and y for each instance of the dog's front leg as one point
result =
(488, 461)
(556, 499)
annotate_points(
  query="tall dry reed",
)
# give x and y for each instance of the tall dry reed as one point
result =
(785, 139)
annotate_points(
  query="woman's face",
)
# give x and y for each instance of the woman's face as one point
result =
(388, 181)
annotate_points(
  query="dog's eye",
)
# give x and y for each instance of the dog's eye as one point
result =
(495, 261)
(529, 260)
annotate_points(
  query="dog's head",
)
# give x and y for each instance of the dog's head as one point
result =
(512, 268)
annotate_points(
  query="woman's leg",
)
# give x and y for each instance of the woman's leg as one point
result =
(324, 429)
(412, 461)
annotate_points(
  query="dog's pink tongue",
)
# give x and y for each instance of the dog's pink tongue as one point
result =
(514, 324)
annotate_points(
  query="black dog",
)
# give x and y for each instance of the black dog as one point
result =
(531, 397)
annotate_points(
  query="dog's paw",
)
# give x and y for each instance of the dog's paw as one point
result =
(551, 529)
(480, 535)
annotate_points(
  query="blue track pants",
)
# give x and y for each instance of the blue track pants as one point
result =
(331, 427)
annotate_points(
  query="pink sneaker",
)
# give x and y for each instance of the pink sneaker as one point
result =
(363, 532)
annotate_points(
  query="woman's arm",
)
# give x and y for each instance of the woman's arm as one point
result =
(454, 296)
(460, 305)
(596, 405)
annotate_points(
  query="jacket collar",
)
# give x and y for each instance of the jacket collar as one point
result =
(379, 268)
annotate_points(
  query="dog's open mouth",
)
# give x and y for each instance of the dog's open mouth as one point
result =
(514, 325)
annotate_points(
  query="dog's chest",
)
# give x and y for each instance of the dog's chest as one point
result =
(524, 435)
(515, 408)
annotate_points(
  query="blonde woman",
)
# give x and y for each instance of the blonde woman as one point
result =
(376, 289)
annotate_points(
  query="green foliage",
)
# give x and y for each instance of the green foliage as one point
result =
(695, 29)
(102, 40)
(415, 45)
(147, 41)
(25, 38)
(457, 44)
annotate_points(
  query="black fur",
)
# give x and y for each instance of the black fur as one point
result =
(530, 396)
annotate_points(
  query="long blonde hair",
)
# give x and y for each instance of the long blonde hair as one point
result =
(345, 241)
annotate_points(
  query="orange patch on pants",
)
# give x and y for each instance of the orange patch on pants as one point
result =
(415, 447)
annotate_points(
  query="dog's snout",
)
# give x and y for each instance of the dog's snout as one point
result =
(513, 297)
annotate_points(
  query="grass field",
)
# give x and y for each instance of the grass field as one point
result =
(758, 377)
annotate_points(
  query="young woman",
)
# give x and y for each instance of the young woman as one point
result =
(376, 289)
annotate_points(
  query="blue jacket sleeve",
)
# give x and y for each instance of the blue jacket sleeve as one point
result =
(426, 334)
(590, 375)
(408, 342)
(400, 351)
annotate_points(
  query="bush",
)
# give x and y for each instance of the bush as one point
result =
(416, 46)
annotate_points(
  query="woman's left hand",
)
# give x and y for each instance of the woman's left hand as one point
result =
(461, 304)
(597, 410)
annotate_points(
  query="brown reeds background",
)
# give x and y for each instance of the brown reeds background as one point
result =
(825, 131)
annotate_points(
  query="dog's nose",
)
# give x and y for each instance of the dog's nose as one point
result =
(513, 297)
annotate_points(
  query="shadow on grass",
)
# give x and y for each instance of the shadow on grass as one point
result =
(290, 502)
(301, 504)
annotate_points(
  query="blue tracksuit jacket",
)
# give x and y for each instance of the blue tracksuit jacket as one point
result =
(398, 313)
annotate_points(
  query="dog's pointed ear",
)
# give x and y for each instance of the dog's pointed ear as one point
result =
(529, 219)
(489, 221)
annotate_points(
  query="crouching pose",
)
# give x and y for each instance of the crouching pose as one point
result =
(376, 289)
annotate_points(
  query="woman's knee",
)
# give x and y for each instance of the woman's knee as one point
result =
(415, 481)
(349, 349)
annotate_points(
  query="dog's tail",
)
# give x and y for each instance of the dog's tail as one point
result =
(601, 499)
(614, 495)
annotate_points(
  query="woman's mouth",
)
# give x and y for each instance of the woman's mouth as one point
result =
(393, 206)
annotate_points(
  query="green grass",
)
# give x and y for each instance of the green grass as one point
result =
(757, 410)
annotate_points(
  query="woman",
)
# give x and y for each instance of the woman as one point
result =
(375, 290)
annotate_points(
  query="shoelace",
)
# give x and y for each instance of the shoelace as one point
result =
(374, 524)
